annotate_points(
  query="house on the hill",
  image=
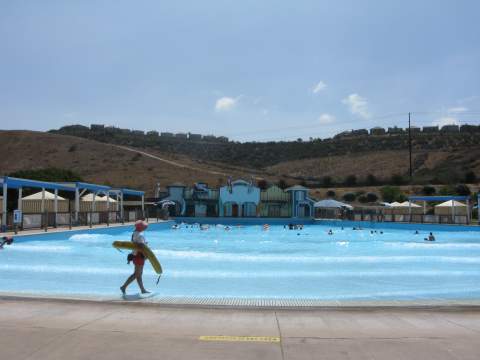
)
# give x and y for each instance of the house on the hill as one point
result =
(430, 129)
(275, 202)
(450, 129)
(377, 131)
(239, 199)
(302, 204)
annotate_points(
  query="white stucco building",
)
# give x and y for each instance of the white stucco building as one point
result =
(240, 199)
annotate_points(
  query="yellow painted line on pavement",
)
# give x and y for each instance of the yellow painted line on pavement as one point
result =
(269, 339)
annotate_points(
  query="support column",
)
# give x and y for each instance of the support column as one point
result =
(4, 209)
(55, 206)
(42, 207)
(453, 211)
(143, 205)
(121, 208)
(55, 202)
(77, 204)
(468, 211)
(20, 201)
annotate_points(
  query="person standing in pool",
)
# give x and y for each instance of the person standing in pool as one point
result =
(138, 258)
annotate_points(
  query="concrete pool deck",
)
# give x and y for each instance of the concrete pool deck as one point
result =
(50, 329)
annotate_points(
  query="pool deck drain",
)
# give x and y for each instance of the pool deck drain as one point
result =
(243, 303)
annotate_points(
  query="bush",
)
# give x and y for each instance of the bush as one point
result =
(262, 184)
(391, 193)
(282, 184)
(327, 181)
(331, 193)
(372, 197)
(470, 177)
(48, 174)
(447, 190)
(349, 197)
(462, 189)
(350, 180)
(371, 180)
(363, 199)
(397, 179)
(428, 190)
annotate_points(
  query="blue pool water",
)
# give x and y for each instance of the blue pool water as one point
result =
(248, 262)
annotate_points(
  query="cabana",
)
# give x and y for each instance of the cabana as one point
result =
(451, 207)
(448, 202)
(35, 204)
(76, 188)
(330, 208)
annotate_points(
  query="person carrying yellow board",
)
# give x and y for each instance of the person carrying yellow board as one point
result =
(138, 258)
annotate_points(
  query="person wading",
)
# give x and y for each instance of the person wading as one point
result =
(138, 258)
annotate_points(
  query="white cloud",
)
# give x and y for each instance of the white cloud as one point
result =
(319, 87)
(357, 105)
(225, 103)
(459, 109)
(325, 119)
(446, 120)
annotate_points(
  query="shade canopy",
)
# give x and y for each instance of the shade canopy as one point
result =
(408, 204)
(98, 198)
(38, 196)
(332, 204)
(451, 203)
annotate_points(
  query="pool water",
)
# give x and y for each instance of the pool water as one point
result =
(250, 262)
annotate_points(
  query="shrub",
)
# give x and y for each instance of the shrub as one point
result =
(428, 190)
(391, 193)
(470, 177)
(349, 197)
(371, 180)
(462, 189)
(350, 180)
(48, 174)
(327, 181)
(397, 179)
(447, 190)
(331, 193)
(363, 199)
(282, 184)
(371, 197)
(262, 184)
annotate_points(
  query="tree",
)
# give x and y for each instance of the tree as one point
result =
(282, 184)
(371, 180)
(327, 181)
(363, 199)
(462, 190)
(331, 193)
(470, 177)
(397, 179)
(262, 184)
(391, 193)
(350, 180)
(428, 190)
(349, 197)
(48, 174)
(371, 197)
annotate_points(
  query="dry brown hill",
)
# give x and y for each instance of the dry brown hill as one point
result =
(102, 163)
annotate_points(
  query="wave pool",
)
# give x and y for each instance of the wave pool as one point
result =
(249, 262)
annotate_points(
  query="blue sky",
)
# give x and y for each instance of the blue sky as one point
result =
(251, 70)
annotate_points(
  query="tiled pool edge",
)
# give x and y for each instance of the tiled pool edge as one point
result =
(261, 304)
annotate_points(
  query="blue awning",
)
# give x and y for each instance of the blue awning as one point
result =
(132, 192)
(16, 183)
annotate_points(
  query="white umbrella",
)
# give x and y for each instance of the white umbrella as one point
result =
(330, 203)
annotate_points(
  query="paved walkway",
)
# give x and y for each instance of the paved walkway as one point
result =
(61, 330)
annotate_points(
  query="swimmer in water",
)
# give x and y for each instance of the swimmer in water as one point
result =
(330, 232)
(430, 237)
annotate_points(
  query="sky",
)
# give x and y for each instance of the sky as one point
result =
(247, 69)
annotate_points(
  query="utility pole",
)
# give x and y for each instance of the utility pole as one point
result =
(410, 145)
